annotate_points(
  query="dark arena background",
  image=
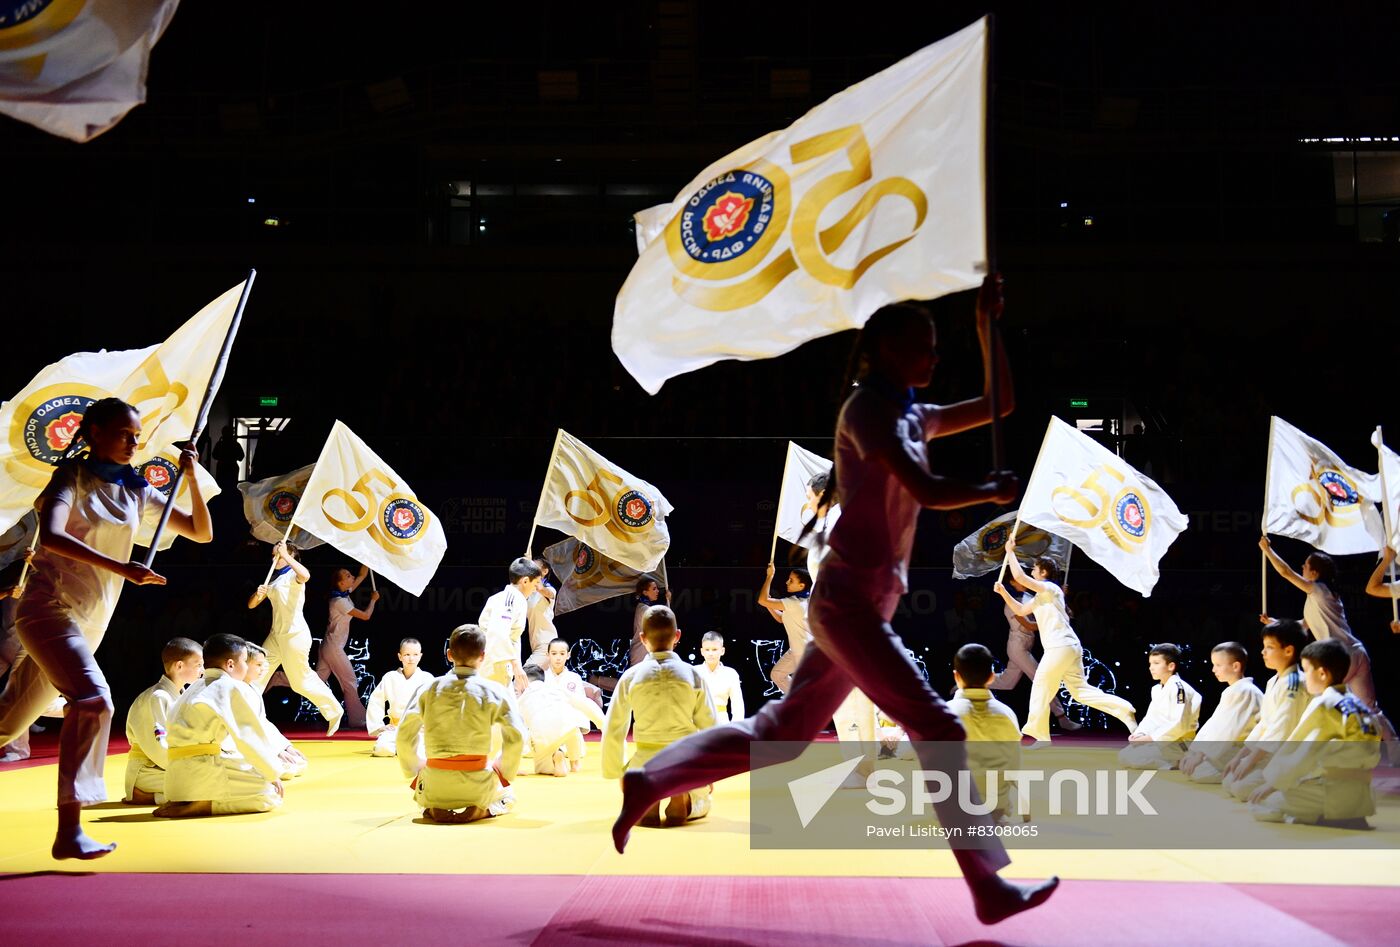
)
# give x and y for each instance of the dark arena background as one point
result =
(1197, 214)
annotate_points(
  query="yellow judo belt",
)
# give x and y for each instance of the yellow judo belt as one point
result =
(194, 749)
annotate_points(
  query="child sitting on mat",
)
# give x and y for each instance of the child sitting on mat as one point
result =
(148, 718)
(293, 760)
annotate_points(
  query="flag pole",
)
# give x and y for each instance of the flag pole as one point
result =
(1050, 426)
(1263, 527)
(34, 544)
(544, 490)
(778, 516)
(372, 586)
(1389, 516)
(989, 213)
(215, 379)
(285, 536)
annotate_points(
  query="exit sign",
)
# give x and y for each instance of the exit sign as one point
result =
(1073, 402)
(267, 401)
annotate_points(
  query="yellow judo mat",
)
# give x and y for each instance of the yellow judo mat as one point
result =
(353, 813)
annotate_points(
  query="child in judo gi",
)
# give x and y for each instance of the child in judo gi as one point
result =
(146, 721)
(1235, 716)
(502, 620)
(1160, 740)
(395, 689)
(556, 719)
(993, 732)
(293, 760)
(722, 680)
(1285, 699)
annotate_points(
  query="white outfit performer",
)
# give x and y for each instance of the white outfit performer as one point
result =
(798, 637)
(855, 719)
(1324, 769)
(288, 645)
(397, 691)
(1019, 659)
(1063, 663)
(540, 621)
(502, 620)
(332, 658)
(1285, 700)
(556, 717)
(63, 616)
(668, 700)
(202, 767)
(993, 741)
(444, 740)
(725, 690)
(1171, 722)
(1221, 736)
(146, 723)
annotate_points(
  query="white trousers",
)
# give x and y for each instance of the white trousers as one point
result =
(1065, 665)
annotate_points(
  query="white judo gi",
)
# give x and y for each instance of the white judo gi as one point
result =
(1285, 700)
(555, 717)
(502, 620)
(397, 691)
(288, 645)
(215, 708)
(725, 689)
(146, 724)
(1323, 770)
(1221, 736)
(444, 740)
(1172, 718)
(668, 700)
(993, 742)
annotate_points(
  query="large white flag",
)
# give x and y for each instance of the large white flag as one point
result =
(801, 466)
(160, 472)
(269, 505)
(19, 537)
(874, 196)
(354, 501)
(1085, 493)
(985, 550)
(1312, 495)
(1390, 488)
(164, 382)
(586, 576)
(75, 67)
(603, 506)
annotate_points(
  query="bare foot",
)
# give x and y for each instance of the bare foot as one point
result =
(77, 844)
(139, 797)
(184, 810)
(637, 800)
(575, 766)
(455, 817)
(560, 761)
(1001, 899)
(678, 809)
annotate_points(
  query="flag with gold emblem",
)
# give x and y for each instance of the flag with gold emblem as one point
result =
(160, 472)
(74, 68)
(1311, 494)
(985, 550)
(874, 196)
(163, 382)
(585, 576)
(355, 502)
(269, 505)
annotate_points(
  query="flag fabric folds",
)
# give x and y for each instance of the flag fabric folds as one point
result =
(269, 505)
(588, 497)
(163, 382)
(1085, 493)
(1311, 494)
(874, 196)
(160, 472)
(74, 68)
(585, 576)
(1390, 493)
(801, 466)
(357, 503)
(985, 550)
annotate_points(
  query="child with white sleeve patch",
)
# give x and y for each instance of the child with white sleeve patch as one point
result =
(1235, 716)
(723, 682)
(147, 721)
(1159, 742)
(397, 689)
(203, 778)
(1285, 699)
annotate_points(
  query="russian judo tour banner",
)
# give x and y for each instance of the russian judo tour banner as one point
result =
(358, 504)
(586, 576)
(163, 382)
(74, 68)
(1085, 493)
(801, 466)
(1312, 495)
(270, 504)
(590, 498)
(985, 550)
(876, 195)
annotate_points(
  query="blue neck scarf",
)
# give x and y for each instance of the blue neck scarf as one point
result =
(124, 474)
(339, 594)
(803, 594)
(902, 396)
(281, 572)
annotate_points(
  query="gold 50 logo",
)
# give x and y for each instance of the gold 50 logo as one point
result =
(731, 225)
(625, 512)
(393, 519)
(1124, 516)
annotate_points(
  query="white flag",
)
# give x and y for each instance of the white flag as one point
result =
(985, 550)
(603, 506)
(1085, 493)
(356, 502)
(75, 67)
(874, 196)
(586, 576)
(269, 505)
(1310, 494)
(1390, 494)
(160, 472)
(802, 465)
(19, 537)
(164, 382)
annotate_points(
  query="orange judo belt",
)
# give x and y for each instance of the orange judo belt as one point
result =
(466, 762)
